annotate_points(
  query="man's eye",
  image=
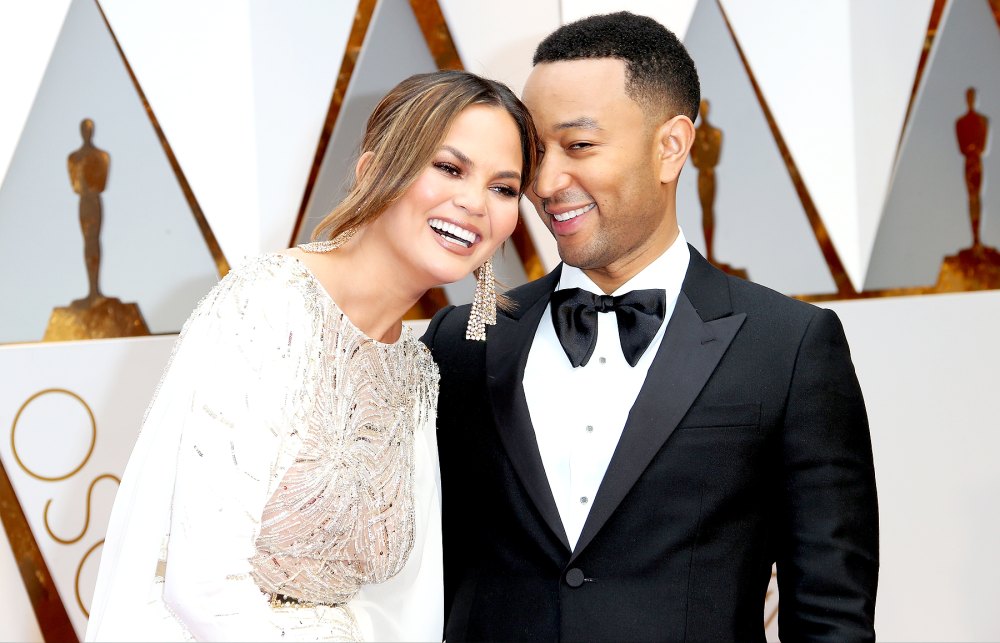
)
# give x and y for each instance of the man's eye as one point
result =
(580, 146)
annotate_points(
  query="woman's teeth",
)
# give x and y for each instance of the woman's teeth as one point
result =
(453, 233)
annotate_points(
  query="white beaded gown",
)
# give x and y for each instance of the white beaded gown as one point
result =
(284, 485)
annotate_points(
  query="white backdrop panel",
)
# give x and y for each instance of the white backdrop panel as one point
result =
(115, 379)
(927, 367)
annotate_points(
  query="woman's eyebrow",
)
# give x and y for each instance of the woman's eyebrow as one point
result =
(506, 174)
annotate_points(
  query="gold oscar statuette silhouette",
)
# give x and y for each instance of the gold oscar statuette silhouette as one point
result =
(94, 316)
(976, 267)
(705, 155)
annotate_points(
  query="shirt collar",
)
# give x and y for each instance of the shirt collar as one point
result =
(667, 272)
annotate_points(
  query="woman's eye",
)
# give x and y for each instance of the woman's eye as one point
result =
(448, 168)
(505, 190)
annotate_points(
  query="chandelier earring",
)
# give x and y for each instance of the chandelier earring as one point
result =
(484, 303)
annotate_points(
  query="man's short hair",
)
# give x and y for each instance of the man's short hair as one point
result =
(659, 72)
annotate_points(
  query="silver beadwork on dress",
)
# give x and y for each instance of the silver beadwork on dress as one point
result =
(342, 513)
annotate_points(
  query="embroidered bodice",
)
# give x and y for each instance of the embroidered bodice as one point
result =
(341, 513)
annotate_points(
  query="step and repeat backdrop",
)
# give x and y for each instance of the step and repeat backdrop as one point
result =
(845, 156)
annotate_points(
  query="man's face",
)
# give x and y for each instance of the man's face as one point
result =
(598, 187)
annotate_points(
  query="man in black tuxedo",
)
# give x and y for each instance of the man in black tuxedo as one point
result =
(633, 476)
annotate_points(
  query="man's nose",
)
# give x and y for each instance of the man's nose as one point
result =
(551, 178)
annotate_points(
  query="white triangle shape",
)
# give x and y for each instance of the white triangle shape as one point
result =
(28, 32)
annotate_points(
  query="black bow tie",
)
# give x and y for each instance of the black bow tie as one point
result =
(574, 315)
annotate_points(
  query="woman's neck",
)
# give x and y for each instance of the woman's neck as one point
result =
(369, 285)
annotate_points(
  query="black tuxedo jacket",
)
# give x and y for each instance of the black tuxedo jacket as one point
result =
(748, 444)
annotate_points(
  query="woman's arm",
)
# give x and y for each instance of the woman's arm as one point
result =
(248, 394)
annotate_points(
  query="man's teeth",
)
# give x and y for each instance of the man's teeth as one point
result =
(453, 233)
(572, 214)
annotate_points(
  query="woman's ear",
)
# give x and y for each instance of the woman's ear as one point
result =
(674, 140)
(362, 165)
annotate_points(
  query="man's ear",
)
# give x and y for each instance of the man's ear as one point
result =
(674, 140)
(362, 165)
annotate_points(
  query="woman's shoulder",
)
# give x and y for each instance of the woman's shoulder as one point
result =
(262, 287)
(268, 265)
(419, 356)
(278, 272)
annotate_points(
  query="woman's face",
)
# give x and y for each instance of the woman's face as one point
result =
(465, 202)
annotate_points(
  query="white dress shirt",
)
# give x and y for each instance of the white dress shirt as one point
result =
(579, 413)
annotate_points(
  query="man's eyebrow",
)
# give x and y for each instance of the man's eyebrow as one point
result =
(584, 122)
(507, 174)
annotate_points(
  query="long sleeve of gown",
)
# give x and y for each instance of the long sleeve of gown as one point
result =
(240, 411)
(278, 460)
(222, 426)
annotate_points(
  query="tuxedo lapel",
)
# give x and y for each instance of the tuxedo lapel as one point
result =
(507, 347)
(693, 344)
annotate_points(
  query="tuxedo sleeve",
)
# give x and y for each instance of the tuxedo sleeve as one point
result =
(430, 335)
(828, 548)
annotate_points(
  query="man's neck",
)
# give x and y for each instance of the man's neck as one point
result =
(611, 277)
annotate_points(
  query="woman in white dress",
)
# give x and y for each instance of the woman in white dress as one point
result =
(285, 485)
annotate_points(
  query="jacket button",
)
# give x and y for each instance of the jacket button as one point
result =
(574, 577)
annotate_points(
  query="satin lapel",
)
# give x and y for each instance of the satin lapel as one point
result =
(690, 351)
(507, 348)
